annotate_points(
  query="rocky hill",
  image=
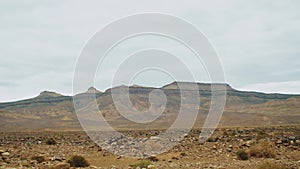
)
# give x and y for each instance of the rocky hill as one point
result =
(52, 111)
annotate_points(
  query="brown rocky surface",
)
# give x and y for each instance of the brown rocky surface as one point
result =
(32, 150)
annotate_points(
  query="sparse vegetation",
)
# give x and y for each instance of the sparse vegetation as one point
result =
(142, 164)
(229, 152)
(78, 161)
(39, 159)
(263, 149)
(242, 155)
(261, 135)
(50, 141)
(269, 165)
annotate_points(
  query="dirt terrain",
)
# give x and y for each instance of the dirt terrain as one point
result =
(266, 147)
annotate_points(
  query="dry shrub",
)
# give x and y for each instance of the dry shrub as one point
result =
(242, 155)
(50, 141)
(295, 155)
(78, 161)
(263, 149)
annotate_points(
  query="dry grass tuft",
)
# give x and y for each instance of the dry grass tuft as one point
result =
(263, 149)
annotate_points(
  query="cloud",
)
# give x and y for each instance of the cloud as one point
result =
(258, 42)
(291, 87)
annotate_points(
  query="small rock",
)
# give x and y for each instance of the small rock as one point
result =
(5, 154)
(25, 163)
(175, 158)
(62, 166)
(153, 158)
(292, 138)
(150, 166)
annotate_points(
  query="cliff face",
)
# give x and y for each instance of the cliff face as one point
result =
(53, 111)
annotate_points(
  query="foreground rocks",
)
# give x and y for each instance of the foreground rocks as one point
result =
(33, 150)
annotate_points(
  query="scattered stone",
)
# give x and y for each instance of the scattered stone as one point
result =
(62, 166)
(25, 163)
(152, 158)
(175, 158)
(5, 154)
(151, 167)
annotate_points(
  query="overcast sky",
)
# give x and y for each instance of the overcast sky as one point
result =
(257, 41)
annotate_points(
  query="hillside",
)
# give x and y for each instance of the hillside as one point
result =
(52, 111)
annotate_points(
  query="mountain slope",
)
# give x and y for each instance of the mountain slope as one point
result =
(52, 111)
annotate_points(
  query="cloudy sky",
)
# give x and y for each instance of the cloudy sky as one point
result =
(257, 41)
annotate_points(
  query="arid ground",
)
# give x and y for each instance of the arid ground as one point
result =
(265, 148)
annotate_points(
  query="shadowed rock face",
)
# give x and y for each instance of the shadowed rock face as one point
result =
(51, 111)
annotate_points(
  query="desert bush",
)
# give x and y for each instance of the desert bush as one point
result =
(225, 133)
(50, 141)
(78, 161)
(295, 155)
(142, 164)
(39, 159)
(242, 155)
(262, 150)
(269, 165)
(261, 135)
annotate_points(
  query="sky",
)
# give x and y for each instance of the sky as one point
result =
(257, 42)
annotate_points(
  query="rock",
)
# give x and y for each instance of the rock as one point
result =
(25, 163)
(154, 138)
(247, 143)
(62, 166)
(2, 151)
(152, 158)
(175, 158)
(5, 154)
(292, 138)
(150, 166)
